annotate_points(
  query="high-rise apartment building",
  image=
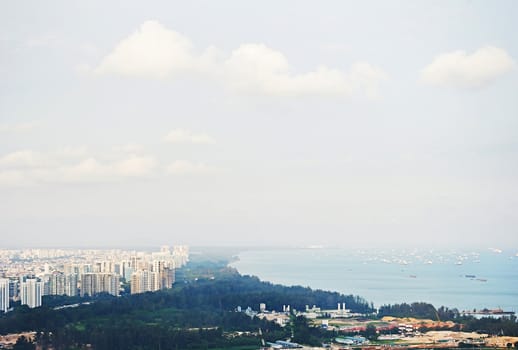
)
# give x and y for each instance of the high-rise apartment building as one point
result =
(14, 290)
(161, 276)
(128, 272)
(145, 281)
(71, 285)
(4, 294)
(31, 292)
(167, 276)
(70, 268)
(180, 255)
(59, 283)
(96, 282)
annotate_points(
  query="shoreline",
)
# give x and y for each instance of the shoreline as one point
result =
(251, 262)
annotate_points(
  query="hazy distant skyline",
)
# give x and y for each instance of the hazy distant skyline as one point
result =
(234, 123)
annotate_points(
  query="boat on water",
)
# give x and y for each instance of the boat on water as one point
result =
(471, 276)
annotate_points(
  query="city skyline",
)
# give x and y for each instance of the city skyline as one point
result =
(30, 274)
(343, 124)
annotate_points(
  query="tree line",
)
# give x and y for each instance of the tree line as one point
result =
(196, 314)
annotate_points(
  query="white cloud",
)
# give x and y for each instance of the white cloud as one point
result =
(70, 165)
(156, 52)
(91, 169)
(87, 169)
(153, 51)
(256, 68)
(367, 78)
(474, 70)
(19, 127)
(135, 166)
(10, 178)
(23, 159)
(186, 136)
(186, 167)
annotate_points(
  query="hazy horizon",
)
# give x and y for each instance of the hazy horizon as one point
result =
(240, 248)
(250, 124)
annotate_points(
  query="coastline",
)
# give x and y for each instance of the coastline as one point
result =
(482, 279)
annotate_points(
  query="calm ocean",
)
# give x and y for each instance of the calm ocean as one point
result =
(465, 280)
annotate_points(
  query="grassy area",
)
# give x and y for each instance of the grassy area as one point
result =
(80, 327)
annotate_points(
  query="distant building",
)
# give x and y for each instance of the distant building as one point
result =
(159, 277)
(97, 282)
(14, 290)
(180, 255)
(4, 294)
(167, 278)
(59, 283)
(128, 271)
(144, 281)
(31, 292)
(165, 272)
(70, 268)
(71, 285)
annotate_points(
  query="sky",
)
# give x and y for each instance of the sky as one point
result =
(336, 123)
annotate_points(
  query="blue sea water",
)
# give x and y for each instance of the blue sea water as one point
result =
(456, 279)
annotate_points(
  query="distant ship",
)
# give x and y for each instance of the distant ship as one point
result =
(470, 276)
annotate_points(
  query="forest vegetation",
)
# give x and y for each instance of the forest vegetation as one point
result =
(200, 313)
